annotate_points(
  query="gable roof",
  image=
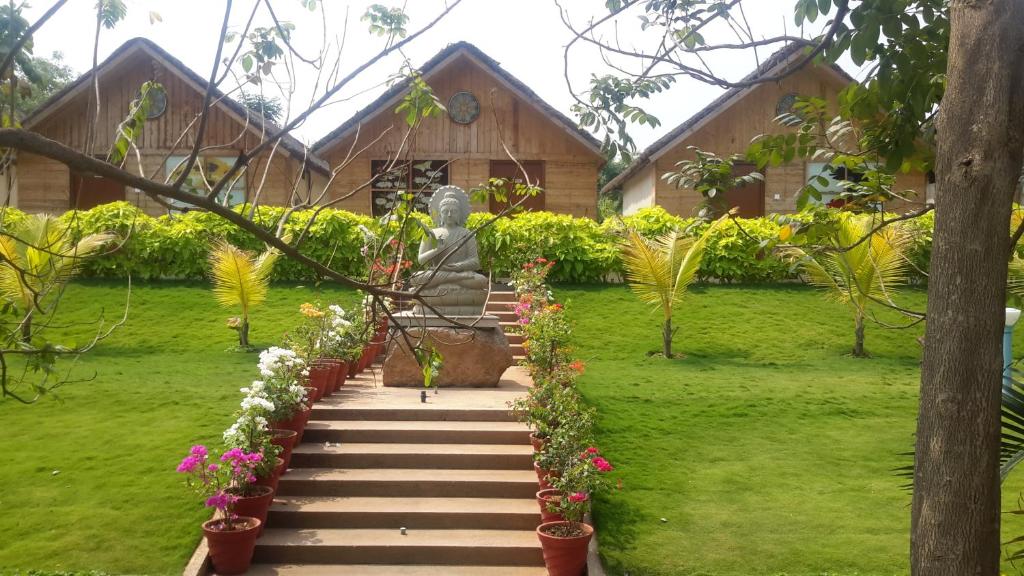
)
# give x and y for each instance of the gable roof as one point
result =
(777, 62)
(238, 111)
(439, 61)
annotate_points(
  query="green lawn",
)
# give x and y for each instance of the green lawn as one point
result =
(767, 449)
(88, 481)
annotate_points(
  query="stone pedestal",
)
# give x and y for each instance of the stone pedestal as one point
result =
(471, 357)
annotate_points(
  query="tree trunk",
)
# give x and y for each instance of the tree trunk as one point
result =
(858, 334)
(243, 333)
(955, 512)
(666, 338)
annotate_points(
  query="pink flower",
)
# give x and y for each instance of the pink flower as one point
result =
(221, 501)
(592, 450)
(213, 467)
(189, 464)
(602, 464)
(578, 497)
(198, 451)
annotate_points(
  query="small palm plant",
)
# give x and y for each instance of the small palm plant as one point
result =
(37, 258)
(860, 275)
(660, 270)
(240, 278)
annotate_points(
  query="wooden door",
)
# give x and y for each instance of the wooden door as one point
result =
(88, 191)
(750, 198)
(509, 170)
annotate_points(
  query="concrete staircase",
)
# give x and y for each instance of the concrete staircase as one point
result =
(500, 304)
(455, 473)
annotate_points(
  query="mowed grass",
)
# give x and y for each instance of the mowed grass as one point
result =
(767, 450)
(88, 480)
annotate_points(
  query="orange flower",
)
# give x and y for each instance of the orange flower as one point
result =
(310, 311)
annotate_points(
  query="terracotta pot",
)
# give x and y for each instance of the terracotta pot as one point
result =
(329, 366)
(343, 370)
(318, 376)
(543, 476)
(336, 368)
(286, 440)
(364, 360)
(538, 443)
(273, 477)
(231, 551)
(310, 396)
(297, 423)
(564, 556)
(546, 497)
(353, 368)
(255, 506)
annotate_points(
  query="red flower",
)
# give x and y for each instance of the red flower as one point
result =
(542, 260)
(577, 365)
(602, 464)
(578, 497)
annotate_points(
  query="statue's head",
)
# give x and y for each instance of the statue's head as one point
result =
(449, 206)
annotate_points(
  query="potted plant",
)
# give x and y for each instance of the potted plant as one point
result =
(251, 433)
(334, 344)
(281, 371)
(307, 341)
(231, 538)
(251, 499)
(564, 542)
(550, 500)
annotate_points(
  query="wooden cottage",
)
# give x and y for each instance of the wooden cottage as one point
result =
(487, 109)
(726, 127)
(43, 185)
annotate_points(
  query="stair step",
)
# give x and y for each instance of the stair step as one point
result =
(409, 483)
(390, 455)
(504, 315)
(377, 546)
(393, 513)
(390, 570)
(514, 339)
(502, 296)
(330, 409)
(417, 432)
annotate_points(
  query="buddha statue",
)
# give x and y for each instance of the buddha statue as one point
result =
(449, 254)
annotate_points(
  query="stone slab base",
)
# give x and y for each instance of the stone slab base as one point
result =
(470, 358)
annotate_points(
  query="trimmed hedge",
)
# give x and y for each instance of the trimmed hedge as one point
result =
(585, 251)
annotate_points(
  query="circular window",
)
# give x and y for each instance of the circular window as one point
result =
(785, 105)
(157, 103)
(463, 107)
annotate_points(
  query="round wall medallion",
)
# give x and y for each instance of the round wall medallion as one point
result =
(463, 107)
(785, 105)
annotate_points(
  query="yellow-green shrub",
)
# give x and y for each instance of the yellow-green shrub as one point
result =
(584, 251)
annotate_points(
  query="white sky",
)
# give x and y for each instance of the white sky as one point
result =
(526, 36)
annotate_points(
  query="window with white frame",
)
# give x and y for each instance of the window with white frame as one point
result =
(835, 175)
(418, 177)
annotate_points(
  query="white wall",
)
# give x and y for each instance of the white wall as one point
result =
(638, 191)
